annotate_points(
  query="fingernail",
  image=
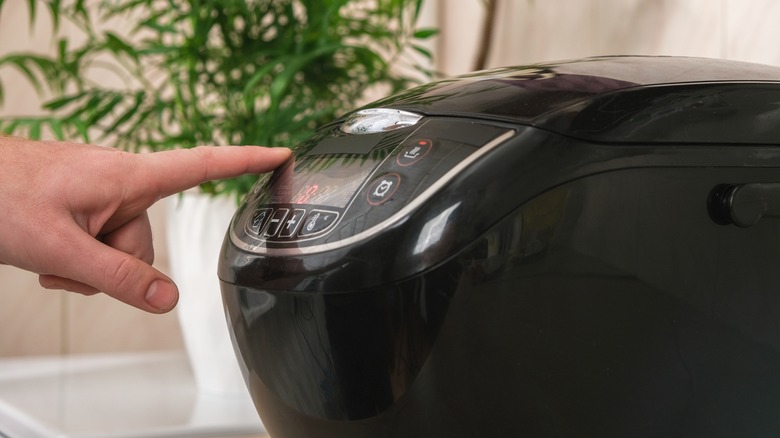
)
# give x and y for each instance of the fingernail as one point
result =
(281, 151)
(161, 295)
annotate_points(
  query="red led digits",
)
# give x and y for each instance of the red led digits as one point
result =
(308, 192)
(314, 194)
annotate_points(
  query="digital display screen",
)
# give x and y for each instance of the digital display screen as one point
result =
(329, 180)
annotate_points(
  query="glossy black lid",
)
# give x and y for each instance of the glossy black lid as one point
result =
(627, 99)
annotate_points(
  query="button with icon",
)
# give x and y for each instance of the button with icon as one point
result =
(383, 188)
(276, 222)
(292, 222)
(258, 220)
(413, 152)
(317, 221)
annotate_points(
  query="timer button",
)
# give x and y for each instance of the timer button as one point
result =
(276, 222)
(258, 220)
(317, 221)
(413, 152)
(383, 188)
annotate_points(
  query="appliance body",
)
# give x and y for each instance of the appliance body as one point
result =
(584, 248)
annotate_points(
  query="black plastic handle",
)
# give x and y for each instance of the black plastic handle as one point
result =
(744, 204)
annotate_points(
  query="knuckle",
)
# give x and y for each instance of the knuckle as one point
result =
(204, 155)
(123, 276)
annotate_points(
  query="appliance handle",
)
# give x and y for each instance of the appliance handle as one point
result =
(744, 204)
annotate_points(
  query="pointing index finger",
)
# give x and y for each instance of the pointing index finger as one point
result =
(170, 172)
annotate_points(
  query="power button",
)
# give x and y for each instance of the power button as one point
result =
(383, 188)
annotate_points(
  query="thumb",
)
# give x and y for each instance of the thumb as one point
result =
(90, 264)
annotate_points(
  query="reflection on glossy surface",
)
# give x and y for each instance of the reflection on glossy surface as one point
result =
(341, 356)
(617, 99)
(433, 231)
(373, 120)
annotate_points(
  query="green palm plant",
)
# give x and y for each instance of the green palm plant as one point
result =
(198, 72)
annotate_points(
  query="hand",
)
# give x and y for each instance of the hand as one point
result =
(76, 214)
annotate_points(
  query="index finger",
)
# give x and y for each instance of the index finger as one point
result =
(174, 171)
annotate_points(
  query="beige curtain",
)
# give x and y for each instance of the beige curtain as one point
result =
(529, 31)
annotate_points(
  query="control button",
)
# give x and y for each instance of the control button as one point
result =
(257, 220)
(276, 222)
(318, 221)
(383, 188)
(292, 223)
(414, 152)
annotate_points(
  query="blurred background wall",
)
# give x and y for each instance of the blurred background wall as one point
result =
(41, 322)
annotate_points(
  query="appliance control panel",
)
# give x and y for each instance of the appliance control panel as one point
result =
(339, 185)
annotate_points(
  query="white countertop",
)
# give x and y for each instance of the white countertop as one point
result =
(115, 396)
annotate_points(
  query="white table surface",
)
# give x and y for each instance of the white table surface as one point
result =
(115, 396)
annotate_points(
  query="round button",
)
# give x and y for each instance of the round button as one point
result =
(413, 152)
(383, 188)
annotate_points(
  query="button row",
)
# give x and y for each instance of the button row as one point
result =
(286, 223)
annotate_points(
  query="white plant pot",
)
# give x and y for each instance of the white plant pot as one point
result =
(196, 226)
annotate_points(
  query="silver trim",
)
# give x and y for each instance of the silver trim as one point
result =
(373, 120)
(392, 220)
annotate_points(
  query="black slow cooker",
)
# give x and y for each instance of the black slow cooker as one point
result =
(583, 248)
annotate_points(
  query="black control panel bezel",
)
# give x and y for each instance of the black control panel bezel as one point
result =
(413, 160)
(291, 222)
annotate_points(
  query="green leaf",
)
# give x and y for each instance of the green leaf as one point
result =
(56, 128)
(20, 63)
(157, 49)
(128, 114)
(156, 26)
(423, 51)
(80, 9)
(422, 34)
(32, 8)
(418, 4)
(292, 65)
(117, 45)
(56, 104)
(255, 79)
(62, 49)
(103, 110)
(35, 129)
(54, 10)
(82, 129)
(10, 126)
